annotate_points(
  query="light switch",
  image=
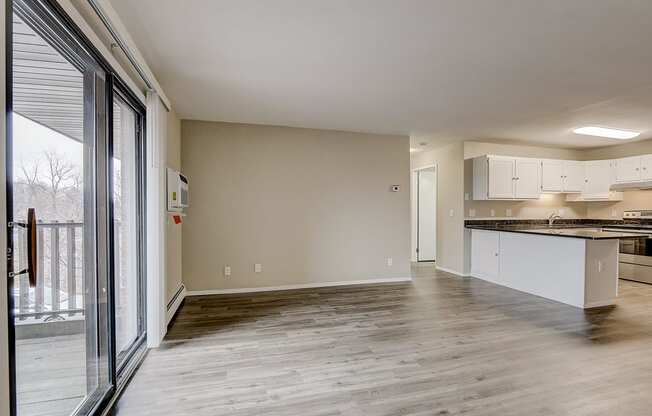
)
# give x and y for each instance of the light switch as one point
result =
(451, 213)
(466, 196)
(227, 271)
(389, 261)
(258, 268)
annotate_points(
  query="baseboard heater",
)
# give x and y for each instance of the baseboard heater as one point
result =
(175, 302)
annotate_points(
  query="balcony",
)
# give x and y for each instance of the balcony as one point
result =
(50, 321)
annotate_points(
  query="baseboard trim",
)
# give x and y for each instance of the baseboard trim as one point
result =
(451, 271)
(176, 301)
(294, 287)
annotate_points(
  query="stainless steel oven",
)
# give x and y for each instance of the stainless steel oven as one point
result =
(635, 256)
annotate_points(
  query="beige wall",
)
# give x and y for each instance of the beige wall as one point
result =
(540, 208)
(173, 233)
(473, 149)
(632, 200)
(449, 160)
(311, 206)
(623, 150)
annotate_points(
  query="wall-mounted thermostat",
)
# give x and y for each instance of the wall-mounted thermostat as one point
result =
(177, 190)
(396, 188)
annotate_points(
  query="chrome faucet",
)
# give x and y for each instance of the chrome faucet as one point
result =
(552, 217)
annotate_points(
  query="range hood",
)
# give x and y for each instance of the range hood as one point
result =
(630, 186)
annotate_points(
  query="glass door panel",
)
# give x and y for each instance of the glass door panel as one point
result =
(128, 287)
(57, 166)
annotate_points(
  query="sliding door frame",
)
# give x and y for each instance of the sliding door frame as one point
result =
(112, 84)
(119, 89)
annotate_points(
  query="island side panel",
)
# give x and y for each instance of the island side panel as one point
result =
(601, 287)
(546, 266)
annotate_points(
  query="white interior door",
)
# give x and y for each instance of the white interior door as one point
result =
(426, 214)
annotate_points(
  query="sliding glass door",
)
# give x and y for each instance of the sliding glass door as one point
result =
(75, 210)
(127, 187)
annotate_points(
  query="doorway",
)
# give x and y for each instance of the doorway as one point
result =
(425, 185)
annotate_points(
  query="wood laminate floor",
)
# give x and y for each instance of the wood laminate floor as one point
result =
(441, 345)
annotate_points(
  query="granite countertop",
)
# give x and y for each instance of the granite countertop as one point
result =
(586, 232)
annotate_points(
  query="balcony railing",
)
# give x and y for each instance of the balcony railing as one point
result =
(59, 289)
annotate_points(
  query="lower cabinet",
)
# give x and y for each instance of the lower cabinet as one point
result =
(485, 260)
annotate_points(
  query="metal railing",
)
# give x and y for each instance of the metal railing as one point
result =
(59, 291)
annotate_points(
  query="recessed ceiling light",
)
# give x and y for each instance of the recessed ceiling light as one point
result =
(412, 150)
(423, 144)
(606, 132)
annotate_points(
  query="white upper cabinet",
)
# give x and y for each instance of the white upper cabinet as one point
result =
(562, 176)
(628, 169)
(552, 175)
(574, 176)
(646, 167)
(598, 179)
(500, 177)
(519, 178)
(526, 182)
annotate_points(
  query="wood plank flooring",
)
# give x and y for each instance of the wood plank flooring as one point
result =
(441, 345)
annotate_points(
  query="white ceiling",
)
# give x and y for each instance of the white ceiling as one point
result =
(522, 70)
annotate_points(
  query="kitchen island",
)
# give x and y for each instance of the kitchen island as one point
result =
(577, 266)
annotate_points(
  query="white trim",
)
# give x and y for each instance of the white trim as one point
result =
(451, 271)
(414, 209)
(294, 287)
(156, 220)
(177, 302)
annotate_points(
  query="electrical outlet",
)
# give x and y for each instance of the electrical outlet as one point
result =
(492, 212)
(508, 212)
(227, 271)
(389, 261)
(562, 211)
(471, 212)
(258, 268)
(451, 213)
(614, 213)
(466, 196)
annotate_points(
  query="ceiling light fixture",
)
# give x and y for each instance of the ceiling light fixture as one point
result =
(412, 150)
(606, 132)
